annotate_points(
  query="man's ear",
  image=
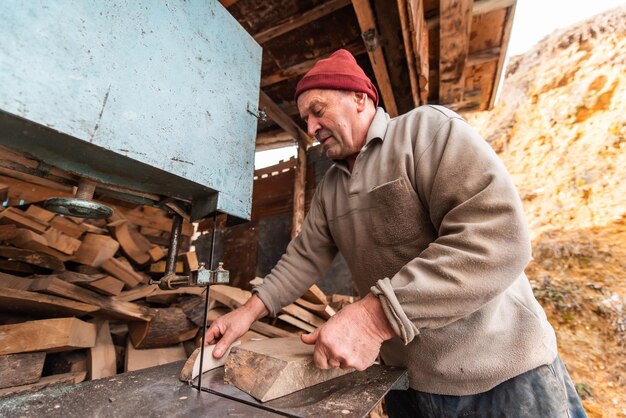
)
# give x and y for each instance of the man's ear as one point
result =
(361, 100)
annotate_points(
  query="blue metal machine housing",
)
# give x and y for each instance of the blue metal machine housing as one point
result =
(154, 96)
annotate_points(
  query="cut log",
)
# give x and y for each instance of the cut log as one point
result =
(33, 258)
(96, 249)
(74, 377)
(61, 242)
(193, 307)
(109, 306)
(296, 322)
(101, 358)
(276, 367)
(37, 304)
(20, 369)
(167, 326)
(133, 243)
(191, 369)
(47, 334)
(122, 271)
(137, 359)
(22, 220)
(315, 295)
(101, 283)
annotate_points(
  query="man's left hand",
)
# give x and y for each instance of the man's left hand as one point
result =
(351, 338)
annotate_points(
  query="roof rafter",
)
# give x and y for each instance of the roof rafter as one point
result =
(454, 33)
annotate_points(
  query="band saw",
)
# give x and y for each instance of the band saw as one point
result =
(155, 103)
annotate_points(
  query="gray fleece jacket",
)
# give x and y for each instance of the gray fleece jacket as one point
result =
(431, 223)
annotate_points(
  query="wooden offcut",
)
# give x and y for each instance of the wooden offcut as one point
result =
(137, 359)
(191, 368)
(276, 367)
(20, 369)
(135, 245)
(95, 249)
(116, 268)
(101, 357)
(46, 335)
(33, 258)
(36, 304)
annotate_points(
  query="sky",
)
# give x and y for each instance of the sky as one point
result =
(534, 19)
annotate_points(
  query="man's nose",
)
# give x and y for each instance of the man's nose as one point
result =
(313, 127)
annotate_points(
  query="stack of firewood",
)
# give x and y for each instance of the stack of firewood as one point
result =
(75, 302)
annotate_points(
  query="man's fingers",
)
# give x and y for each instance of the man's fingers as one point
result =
(226, 341)
(310, 338)
(212, 334)
(320, 359)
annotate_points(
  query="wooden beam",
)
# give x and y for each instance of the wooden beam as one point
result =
(299, 187)
(503, 47)
(365, 16)
(480, 7)
(282, 119)
(482, 57)
(294, 22)
(419, 38)
(296, 70)
(408, 49)
(454, 32)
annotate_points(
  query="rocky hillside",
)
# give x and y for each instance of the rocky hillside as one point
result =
(560, 127)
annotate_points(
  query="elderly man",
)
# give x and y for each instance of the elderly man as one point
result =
(434, 234)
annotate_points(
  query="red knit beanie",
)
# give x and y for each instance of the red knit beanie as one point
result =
(337, 72)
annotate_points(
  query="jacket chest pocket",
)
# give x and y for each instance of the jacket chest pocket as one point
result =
(396, 216)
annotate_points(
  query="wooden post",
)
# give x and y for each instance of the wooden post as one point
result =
(299, 187)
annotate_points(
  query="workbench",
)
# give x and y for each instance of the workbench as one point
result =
(157, 392)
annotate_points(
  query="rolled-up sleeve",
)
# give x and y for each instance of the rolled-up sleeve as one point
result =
(483, 242)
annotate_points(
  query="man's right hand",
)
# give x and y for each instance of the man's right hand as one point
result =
(227, 329)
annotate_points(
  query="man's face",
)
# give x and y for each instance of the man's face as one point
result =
(331, 116)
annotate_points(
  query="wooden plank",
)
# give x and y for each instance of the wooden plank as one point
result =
(101, 357)
(8, 232)
(101, 283)
(276, 138)
(479, 7)
(60, 241)
(30, 240)
(14, 282)
(109, 306)
(454, 32)
(47, 335)
(28, 193)
(56, 379)
(299, 187)
(419, 38)
(37, 304)
(324, 311)
(20, 369)
(229, 296)
(276, 367)
(137, 293)
(42, 215)
(135, 245)
(191, 368)
(19, 218)
(32, 257)
(315, 295)
(407, 39)
(156, 220)
(156, 253)
(298, 323)
(96, 249)
(137, 359)
(191, 260)
(296, 21)
(68, 227)
(116, 268)
(365, 16)
(167, 326)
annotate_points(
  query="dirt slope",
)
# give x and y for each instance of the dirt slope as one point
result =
(560, 127)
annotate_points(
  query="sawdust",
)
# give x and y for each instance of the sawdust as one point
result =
(561, 130)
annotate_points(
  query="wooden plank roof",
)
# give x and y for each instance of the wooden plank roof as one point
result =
(448, 52)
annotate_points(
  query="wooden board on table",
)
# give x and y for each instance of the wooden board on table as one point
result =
(101, 361)
(73, 377)
(38, 304)
(47, 335)
(21, 369)
(191, 368)
(108, 305)
(275, 367)
(137, 359)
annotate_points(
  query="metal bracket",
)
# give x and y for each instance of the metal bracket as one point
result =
(260, 114)
(371, 39)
